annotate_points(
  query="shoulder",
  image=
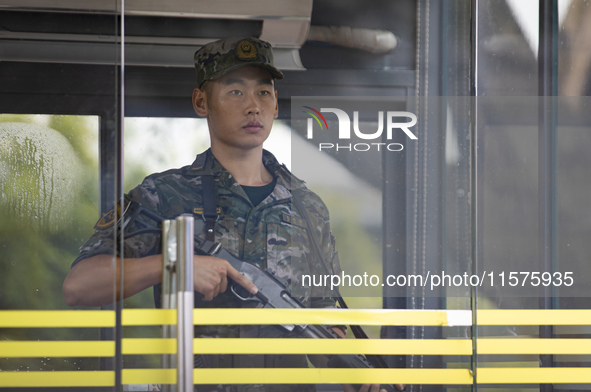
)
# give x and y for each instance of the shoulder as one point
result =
(311, 201)
(159, 188)
(154, 180)
(314, 205)
(186, 174)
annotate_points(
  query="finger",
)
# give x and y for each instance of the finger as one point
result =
(215, 290)
(241, 280)
(400, 387)
(207, 282)
(224, 280)
(209, 288)
(339, 332)
(208, 296)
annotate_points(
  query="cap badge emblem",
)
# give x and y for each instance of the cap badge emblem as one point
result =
(245, 50)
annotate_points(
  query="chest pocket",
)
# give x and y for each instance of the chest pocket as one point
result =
(288, 253)
(230, 233)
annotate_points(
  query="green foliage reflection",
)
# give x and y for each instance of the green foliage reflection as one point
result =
(49, 189)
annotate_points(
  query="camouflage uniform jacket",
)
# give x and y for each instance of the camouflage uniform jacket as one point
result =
(272, 235)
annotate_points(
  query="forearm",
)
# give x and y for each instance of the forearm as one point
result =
(95, 281)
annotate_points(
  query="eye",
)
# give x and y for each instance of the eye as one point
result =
(236, 92)
(265, 92)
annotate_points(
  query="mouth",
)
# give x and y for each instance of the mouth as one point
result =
(253, 126)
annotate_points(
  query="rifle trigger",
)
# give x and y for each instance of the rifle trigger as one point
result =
(262, 297)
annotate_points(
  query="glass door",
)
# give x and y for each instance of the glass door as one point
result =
(58, 176)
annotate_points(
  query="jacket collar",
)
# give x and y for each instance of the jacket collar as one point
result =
(207, 164)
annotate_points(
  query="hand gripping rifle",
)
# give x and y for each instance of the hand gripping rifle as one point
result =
(272, 293)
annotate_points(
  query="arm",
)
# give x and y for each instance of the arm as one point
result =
(93, 281)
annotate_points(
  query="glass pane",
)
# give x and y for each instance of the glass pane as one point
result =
(507, 47)
(49, 187)
(59, 103)
(49, 193)
(346, 173)
(573, 48)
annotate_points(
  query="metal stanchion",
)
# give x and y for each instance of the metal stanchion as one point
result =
(169, 258)
(185, 305)
(177, 292)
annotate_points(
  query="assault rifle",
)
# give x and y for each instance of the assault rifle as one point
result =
(272, 293)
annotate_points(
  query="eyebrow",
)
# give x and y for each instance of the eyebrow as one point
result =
(264, 81)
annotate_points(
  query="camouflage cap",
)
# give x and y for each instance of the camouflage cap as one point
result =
(217, 58)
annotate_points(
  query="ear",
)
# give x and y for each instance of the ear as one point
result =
(200, 102)
(276, 105)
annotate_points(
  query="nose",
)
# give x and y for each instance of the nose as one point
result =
(252, 105)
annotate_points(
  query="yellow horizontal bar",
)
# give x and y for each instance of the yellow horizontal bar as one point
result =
(303, 346)
(148, 317)
(25, 349)
(136, 346)
(105, 318)
(57, 379)
(320, 316)
(95, 318)
(534, 375)
(534, 346)
(332, 376)
(298, 376)
(534, 317)
(333, 346)
(148, 346)
(56, 318)
(148, 376)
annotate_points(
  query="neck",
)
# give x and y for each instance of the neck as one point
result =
(245, 166)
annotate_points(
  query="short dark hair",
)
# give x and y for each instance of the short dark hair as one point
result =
(206, 86)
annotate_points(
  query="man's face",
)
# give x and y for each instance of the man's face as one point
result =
(240, 108)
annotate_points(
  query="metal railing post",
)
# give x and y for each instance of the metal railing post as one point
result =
(184, 230)
(169, 288)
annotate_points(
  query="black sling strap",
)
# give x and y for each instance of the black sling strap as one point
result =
(210, 213)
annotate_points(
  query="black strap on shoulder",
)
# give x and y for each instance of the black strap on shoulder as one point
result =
(210, 213)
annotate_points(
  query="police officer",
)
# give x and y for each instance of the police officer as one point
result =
(257, 219)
